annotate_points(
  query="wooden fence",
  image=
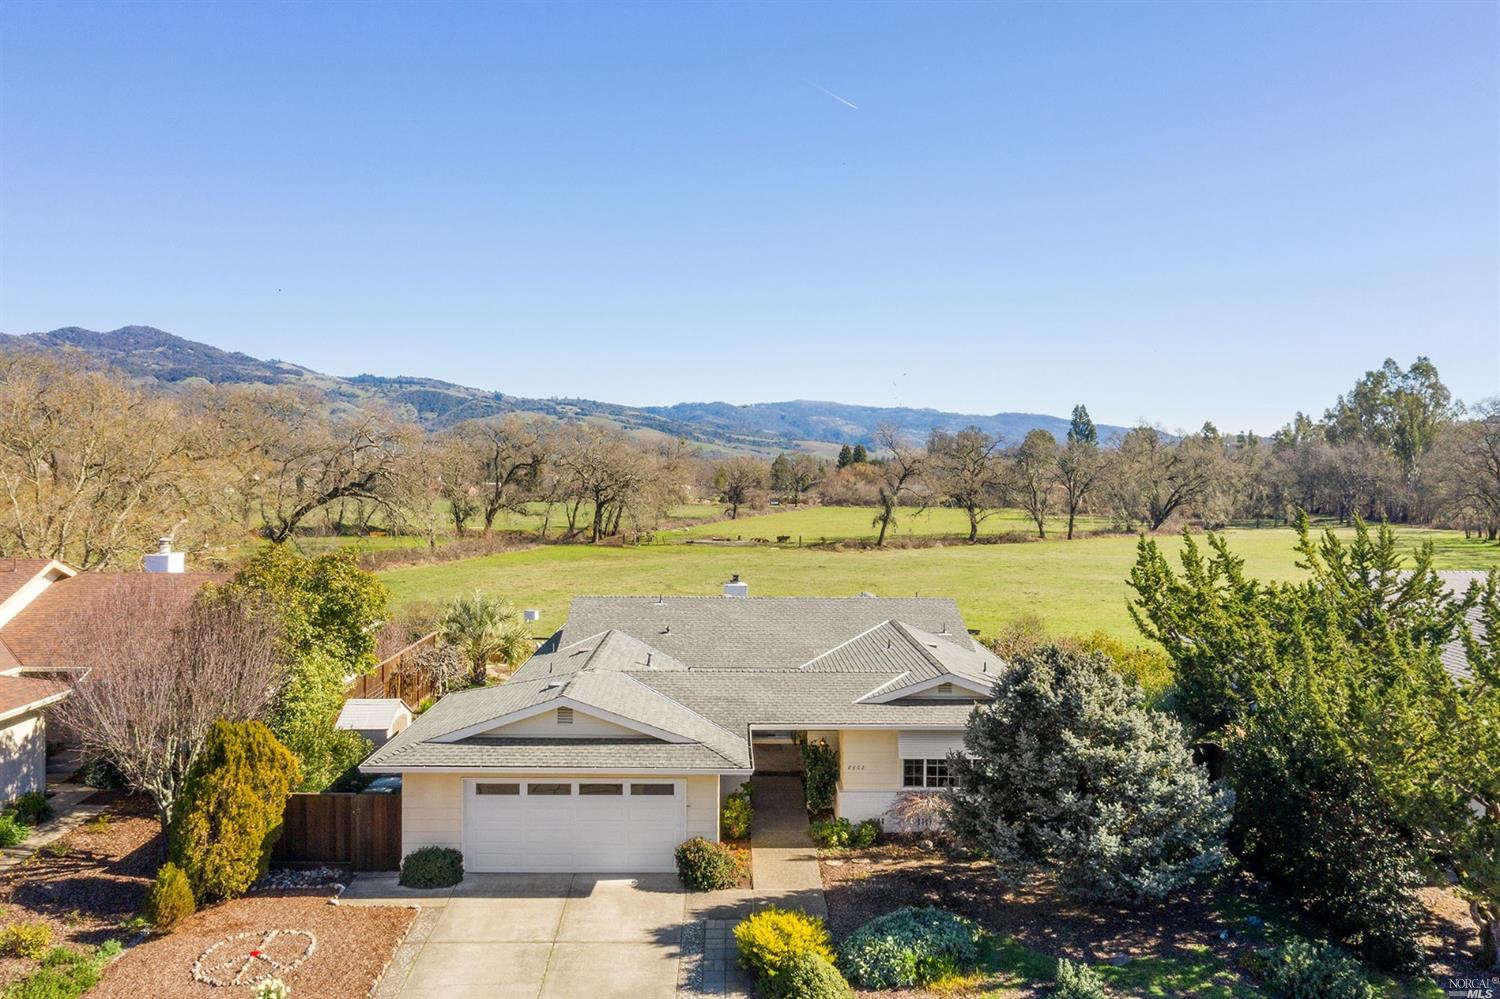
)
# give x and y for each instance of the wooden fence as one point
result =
(397, 676)
(362, 831)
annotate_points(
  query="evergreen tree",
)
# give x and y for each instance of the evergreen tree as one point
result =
(846, 457)
(1081, 429)
(229, 815)
(859, 455)
(1068, 769)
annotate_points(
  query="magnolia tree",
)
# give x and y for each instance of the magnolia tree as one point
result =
(1067, 770)
(161, 672)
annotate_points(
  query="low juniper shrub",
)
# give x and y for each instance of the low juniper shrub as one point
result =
(1300, 969)
(170, 900)
(1077, 981)
(908, 947)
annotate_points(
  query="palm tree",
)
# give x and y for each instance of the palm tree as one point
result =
(485, 629)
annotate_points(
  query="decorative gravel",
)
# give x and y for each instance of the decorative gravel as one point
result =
(289, 878)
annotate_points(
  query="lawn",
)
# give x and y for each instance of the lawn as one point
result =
(1074, 586)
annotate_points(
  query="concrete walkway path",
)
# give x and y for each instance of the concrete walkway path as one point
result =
(782, 855)
(73, 808)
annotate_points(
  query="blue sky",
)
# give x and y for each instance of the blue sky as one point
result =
(1167, 211)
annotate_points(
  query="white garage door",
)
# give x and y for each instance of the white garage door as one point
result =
(612, 826)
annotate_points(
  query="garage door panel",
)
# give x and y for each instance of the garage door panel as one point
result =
(562, 826)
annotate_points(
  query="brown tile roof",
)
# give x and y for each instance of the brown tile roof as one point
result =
(17, 572)
(43, 633)
(20, 692)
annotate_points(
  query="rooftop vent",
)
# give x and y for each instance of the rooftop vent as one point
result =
(164, 559)
(735, 588)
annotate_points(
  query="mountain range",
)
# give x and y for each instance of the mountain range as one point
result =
(169, 362)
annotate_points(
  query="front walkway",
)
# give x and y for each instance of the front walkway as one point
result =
(782, 855)
(73, 808)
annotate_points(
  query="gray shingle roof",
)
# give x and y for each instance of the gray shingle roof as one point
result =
(1455, 660)
(759, 633)
(703, 670)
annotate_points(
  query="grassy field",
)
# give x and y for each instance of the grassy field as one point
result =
(814, 524)
(1075, 586)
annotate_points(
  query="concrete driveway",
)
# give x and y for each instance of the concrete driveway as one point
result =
(536, 936)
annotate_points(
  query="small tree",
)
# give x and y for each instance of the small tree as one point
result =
(1067, 769)
(161, 672)
(229, 816)
(485, 629)
(739, 482)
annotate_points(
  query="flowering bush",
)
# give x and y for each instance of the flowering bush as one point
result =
(273, 988)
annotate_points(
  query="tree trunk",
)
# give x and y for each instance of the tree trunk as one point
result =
(973, 528)
(1487, 916)
(1071, 511)
(885, 522)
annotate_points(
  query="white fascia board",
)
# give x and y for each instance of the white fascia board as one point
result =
(881, 696)
(543, 707)
(623, 771)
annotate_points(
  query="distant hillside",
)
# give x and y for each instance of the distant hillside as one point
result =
(153, 355)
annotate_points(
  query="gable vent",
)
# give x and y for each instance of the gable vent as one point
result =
(945, 688)
(565, 716)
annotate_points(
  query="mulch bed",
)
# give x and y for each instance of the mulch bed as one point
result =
(861, 885)
(353, 946)
(85, 883)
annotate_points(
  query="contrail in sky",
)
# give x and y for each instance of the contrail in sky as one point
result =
(836, 97)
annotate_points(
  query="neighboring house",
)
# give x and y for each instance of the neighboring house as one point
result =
(620, 738)
(1455, 659)
(23, 733)
(44, 605)
(375, 718)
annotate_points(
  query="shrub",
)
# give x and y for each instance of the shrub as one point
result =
(1302, 970)
(735, 818)
(865, 834)
(1068, 769)
(229, 815)
(808, 976)
(909, 947)
(820, 775)
(919, 812)
(704, 865)
(33, 808)
(432, 867)
(769, 940)
(65, 973)
(170, 900)
(26, 940)
(11, 831)
(1077, 981)
(832, 833)
(102, 773)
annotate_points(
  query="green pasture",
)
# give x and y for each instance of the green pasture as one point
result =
(814, 524)
(1074, 586)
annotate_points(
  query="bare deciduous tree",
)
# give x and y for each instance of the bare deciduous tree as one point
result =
(160, 672)
(966, 469)
(899, 475)
(1031, 470)
(739, 481)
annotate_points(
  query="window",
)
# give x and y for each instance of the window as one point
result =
(536, 790)
(497, 788)
(925, 773)
(601, 789)
(565, 716)
(662, 789)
